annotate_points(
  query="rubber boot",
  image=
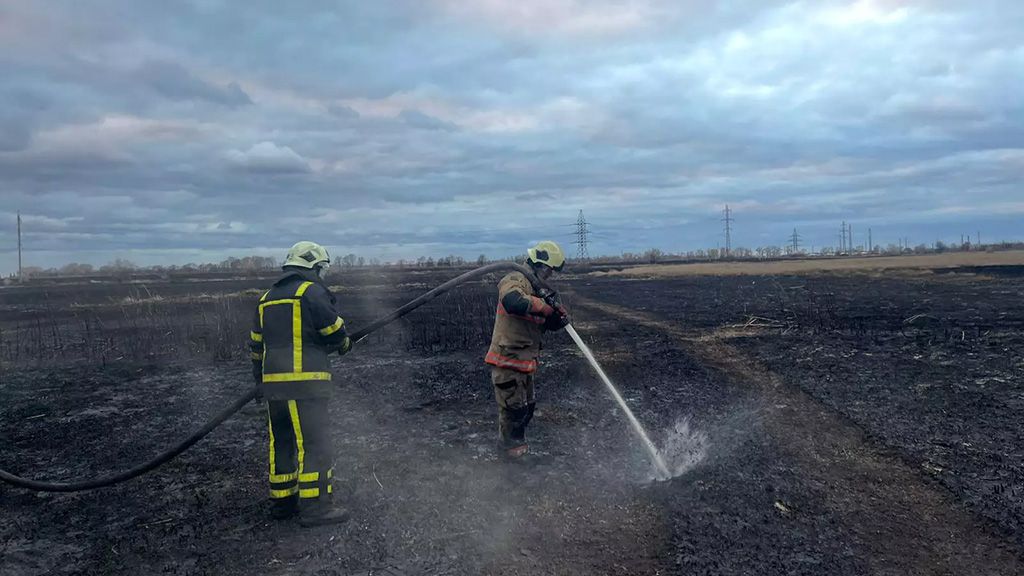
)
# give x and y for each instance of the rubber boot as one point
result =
(284, 508)
(516, 448)
(321, 512)
(513, 437)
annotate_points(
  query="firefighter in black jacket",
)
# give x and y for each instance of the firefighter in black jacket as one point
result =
(296, 327)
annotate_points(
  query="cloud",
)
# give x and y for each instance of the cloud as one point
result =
(173, 81)
(570, 17)
(269, 158)
(170, 127)
(342, 111)
(418, 119)
(14, 134)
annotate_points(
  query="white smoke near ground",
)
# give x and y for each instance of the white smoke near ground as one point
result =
(684, 447)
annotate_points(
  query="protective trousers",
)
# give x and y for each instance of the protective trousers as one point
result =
(515, 395)
(301, 455)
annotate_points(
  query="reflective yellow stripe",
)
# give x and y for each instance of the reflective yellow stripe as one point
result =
(297, 336)
(256, 355)
(333, 327)
(309, 493)
(309, 477)
(270, 426)
(264, 297)
(278, 478)
(293, 409)
(264, 359)
(256, 336)
(276, 302)
(330, 473)
(330, 489)
(284, 493)
(297, 327)
(296, 376)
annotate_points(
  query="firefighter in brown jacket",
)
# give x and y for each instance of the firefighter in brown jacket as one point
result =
(295, 327)
(521, 320)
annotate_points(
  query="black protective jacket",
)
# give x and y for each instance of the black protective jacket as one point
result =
(295, 328)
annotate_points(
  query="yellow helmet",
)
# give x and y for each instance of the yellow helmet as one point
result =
(548, 253)
(307, 255)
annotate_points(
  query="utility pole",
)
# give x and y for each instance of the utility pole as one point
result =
(871, 247)
(581, 238)
(728, 219)
(979, 237)
(794, 242)
(21, 278)
(849, 245)
(842, 237)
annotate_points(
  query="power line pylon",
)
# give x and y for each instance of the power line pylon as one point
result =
(728, 219)
(582, 230)
(794, 242)
(21, 278)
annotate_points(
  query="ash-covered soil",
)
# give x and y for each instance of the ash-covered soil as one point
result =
(931, 367)
(786, 471)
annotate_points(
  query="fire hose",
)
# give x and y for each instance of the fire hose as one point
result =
(244, 399)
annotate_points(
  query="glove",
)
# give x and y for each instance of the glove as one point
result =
(346, 345)
(558, 310)
(558, 320)
(539, 307)
(257, 376)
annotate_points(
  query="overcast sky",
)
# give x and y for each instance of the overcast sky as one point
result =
(169, 132)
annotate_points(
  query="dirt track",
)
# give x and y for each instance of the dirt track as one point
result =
(800, 476)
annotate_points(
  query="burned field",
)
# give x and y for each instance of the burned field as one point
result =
(822, 424)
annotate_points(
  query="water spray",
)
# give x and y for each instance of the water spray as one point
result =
(659, 462)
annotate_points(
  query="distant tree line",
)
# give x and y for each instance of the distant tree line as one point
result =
(655, 255)
(247, 264)
(123, 266)
(258, 264)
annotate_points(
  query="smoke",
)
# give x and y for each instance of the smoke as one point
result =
(684, 448)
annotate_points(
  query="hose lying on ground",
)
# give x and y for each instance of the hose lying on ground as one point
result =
(237, 405)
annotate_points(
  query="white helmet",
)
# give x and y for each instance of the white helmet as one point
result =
(308, 255)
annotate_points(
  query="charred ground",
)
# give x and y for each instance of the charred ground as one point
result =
(856, 424)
